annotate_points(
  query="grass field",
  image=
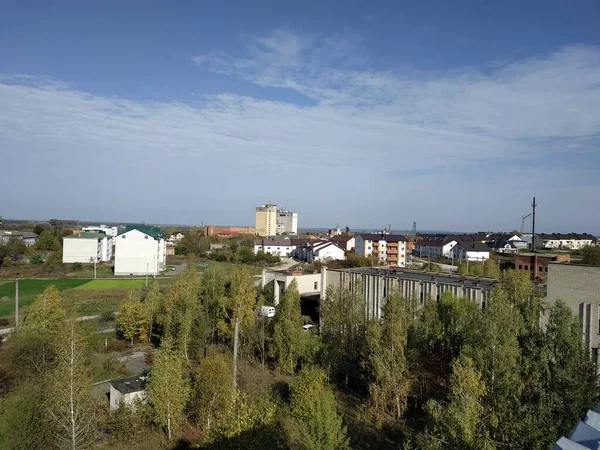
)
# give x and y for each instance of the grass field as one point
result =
(29, 289)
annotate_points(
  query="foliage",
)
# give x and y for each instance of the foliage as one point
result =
(76, 267)
(45, 314)
(212, 293)
(386, 362)
(289, 339)
(168, 389)
(590, 255)
(239, 302)
(456, 424)
(47, 241)
(313, 404)
(133, 320)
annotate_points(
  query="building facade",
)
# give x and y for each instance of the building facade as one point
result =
(276, 247)
(140, 250)
(389, 249)
(578, 285)
(86, 247)
(287, 222)
(266, 220)
(320, 251)
(567, 241)
(215, 230)
(537, 263)
(470, 251)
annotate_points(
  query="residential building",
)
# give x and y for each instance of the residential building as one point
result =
(214, 230)
(345, 241)
(537, 263)
(287, 222)
(86, 247)
(27, 237)
(376, 283)
(470, 247)
(434, 248)
(140, 250)
(578, 285)
(176, 236)
(276, 247)
(111, 232)
(266, 220)
(568, 241)
(317, 250)
(128, 391)
(389, 249)
(506, 242)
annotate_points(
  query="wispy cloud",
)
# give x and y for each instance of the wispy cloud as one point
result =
(446, 149)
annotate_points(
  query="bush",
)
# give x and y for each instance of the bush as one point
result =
(37, 259)
(4, 322)
(76, 267)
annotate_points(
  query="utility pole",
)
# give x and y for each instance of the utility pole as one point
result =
(533, 205)
(17, 304)
(146, 274)
(235, 351)
(95, 260)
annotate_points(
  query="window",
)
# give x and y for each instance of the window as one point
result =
(541, 269)
(123, 237)
(546, 269)
(520, 266)
(145, 237)
(316, 285)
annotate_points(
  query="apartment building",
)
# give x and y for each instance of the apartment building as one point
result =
(287, 222)
(389, 249)
(140, 250)
(568, 241)
(266, 220)
(86, 247)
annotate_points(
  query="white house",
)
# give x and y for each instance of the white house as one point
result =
(127, 391)
(390, 249)
(308, 283)
(344, 241)
(570, 241)
(86, 247)
(320, 251)
(276, 247)
(27, 237)
(471, 250)
(140, 250)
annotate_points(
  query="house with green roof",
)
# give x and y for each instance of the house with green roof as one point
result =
(86, 247)
(140, 250)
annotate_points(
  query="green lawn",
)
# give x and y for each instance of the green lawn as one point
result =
(114, 284)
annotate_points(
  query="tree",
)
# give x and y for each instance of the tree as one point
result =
(47, 241)
(239, 302)
(133, 320)
(342, 325)
(167, 388)
(213, 394)
(71, 408)
(151, 306)
(15, 247)
(38, 229)
(187, 309)
(312, 403)
(590, 255)
(386, 361)
(289, 339)
(456, 424)
(212, 293)
(491, 268)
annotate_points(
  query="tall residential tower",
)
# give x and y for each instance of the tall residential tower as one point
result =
(266, 220)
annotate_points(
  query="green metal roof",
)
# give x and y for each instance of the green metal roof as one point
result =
(154, 232)
(86, 235)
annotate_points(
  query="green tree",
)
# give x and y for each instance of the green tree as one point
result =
(590, 255)
(151, 306)
(187, 309)
(168, 388)
(47, 241)
(239, 302)
(458, 316)
(386, 361)
(212, 293)
(312, 403)
(212, 393)
(70, 406)
(491, 268)
(15, 247)
(45, 315)
(457, 423)
(343, 325)
(38, 229)
(133, 321)
(289, 339)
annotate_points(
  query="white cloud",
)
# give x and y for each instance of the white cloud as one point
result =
(446, 149)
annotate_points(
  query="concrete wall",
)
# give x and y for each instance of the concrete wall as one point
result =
(579, 287)
(76, 250)
(136, 253)
(116, 398)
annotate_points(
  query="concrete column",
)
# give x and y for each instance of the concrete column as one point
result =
(323, 281)
(263, 280)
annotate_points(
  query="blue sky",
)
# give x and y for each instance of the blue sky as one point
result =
(450, 114)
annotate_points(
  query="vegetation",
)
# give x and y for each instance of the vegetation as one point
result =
(590, 255)
(445, 375)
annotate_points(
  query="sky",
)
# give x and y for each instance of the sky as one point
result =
(363, 114)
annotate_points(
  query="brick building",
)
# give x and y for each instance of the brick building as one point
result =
(214, 230)
(537, 263)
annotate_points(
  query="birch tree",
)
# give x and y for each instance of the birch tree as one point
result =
(70, 406)
(133, 320)
(289, 339)
(168, 389)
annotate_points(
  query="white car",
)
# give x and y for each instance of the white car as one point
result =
(308, 326)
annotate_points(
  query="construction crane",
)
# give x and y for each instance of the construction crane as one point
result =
(523, 222)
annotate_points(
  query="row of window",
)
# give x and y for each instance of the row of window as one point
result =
(526, 267)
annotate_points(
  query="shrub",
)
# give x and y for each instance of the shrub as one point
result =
(4, 322)
(76, 267)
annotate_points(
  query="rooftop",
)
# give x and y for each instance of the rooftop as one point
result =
(129, 385)
(86, 235)
(382, 237)
(154, 232)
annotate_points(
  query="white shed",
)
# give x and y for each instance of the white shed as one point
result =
(127, 390)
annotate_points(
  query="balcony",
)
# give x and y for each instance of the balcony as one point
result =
(392, 244)
(392, 258)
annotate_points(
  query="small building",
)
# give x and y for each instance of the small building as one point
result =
(320, 251)
(214, 230)
(471, 250)
(567, 241)
(276, 247)
(506, 243)
(585, 435)
(127, 391)
(345, 241)
(27, 237)
(86, 247)
(309, 283)
(176, 236)
(537, 263)
(434, 248)
(140, 250)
